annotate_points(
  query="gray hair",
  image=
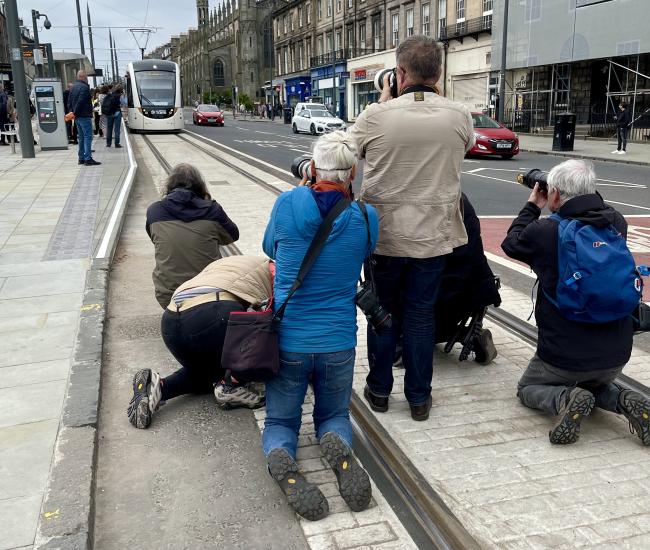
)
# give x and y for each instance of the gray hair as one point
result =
(334, 156)
(572, 178)
(421, 57)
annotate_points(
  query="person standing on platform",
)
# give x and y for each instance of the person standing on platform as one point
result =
(112, 110)
(80, 103)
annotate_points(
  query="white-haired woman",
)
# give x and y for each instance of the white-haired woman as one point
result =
(318, 330)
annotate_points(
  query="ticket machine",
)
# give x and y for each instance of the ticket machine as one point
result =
(48, 96)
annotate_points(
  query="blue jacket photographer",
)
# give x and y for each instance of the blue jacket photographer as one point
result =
(576, 362)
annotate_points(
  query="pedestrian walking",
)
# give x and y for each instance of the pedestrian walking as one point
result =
(623, 121)
(4, 115)
(112, 111)
(80, 103)
(580, 349)
(413, 147)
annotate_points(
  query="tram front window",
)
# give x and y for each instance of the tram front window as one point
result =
(156, 88)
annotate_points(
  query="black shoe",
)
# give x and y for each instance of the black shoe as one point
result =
(637, 410)
(305, 498)
(3, 143)
(421, 412)
(108, 145)
(118, 146)
(567, 428)
(484, 349)
(92, 150)
(81, 162)
(92, 162)
(354, 483)
(377, 403)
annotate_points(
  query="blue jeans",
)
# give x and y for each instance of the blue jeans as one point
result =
(331, 377)
(407, 288)
(85, 137)
(113, 122)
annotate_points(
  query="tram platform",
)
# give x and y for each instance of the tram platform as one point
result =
(486, 455)
(56, 217)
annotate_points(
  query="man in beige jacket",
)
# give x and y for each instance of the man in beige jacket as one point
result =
(413, 147)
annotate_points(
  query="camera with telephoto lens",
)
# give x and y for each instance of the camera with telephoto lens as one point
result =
(367, 302)
(530, 178)
(392, 80)
(300, 167)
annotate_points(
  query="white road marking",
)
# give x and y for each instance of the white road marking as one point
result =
(627, 204)
(244, 129)
(258, 161)
(510, 265)
(490, 178)
(474, 171)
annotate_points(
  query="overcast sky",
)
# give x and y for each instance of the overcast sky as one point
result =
(171, 16)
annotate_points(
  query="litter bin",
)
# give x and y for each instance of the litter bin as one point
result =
(564, 132)
(287, 115)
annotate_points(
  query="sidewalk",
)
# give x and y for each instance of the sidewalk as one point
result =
(52, 214)
(637, 153)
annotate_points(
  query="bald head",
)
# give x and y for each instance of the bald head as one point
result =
(81, 75)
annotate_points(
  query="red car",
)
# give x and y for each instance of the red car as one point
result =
(207, 114)
(492, 138)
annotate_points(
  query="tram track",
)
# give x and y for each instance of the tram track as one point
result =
(421, 509)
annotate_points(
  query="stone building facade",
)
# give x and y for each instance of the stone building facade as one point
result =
(230, 51)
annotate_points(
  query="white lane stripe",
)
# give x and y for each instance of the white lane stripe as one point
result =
(628, 185)
(490, 178)
(110, 228)
(259, 161)
(510, 265)
(627, 204)
(623, 182)
(475, 170)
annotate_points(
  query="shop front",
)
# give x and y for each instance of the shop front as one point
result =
(297, 89)
(323, 86)
(361, 87)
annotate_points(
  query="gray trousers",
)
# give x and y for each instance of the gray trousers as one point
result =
(547, 388)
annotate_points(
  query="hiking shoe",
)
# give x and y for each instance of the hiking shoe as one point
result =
(484, 349)
(567, 428)
(257, 387)
(304, 497)
(421, 412)
(146, 400)
(377, 403)
(233, 396)
(354, 483)
(636, 409)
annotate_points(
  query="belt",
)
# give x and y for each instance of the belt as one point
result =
(203, 299)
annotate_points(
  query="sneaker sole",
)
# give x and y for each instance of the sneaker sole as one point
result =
(227, 402)
(567, 430)
(354, 482)
(138, 412)
(306, 499)
(637, 411)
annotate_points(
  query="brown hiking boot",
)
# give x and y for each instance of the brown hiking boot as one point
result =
(636, 409)
(567, 428)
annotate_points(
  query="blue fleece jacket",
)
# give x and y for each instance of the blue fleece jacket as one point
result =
(321, 315)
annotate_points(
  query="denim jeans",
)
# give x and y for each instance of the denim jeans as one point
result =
(407, 288)
(113, 125)
(547, 388)
(85, 137)
(621, 134)
(331, 377)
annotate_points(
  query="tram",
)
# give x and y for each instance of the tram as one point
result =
(153, 91)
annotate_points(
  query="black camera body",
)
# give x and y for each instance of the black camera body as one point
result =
(367, 302)
(392, 80)
(530, 178)
(300, 167)
(642, 318)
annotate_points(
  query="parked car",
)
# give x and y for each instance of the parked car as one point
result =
(207, 114)
(315, 120)
(493, 138)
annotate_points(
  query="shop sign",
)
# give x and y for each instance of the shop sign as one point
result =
(360, 74)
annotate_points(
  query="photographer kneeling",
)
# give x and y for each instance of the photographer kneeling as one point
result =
(579, 353)
(317, 333)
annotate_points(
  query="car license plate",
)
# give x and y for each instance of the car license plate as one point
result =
(504, 146)
(212, 120)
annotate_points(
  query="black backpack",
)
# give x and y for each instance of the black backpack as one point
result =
(106, 104)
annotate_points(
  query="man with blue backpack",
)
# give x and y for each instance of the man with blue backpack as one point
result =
(589, 289)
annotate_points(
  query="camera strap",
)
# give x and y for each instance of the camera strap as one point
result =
(368, 264)
(314, 250)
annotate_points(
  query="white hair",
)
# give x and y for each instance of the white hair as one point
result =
(334, 156)
(572, 178)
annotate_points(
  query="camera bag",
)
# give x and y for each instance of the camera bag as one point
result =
(250, 350)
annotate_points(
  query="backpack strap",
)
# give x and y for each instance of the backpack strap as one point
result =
(315, 248)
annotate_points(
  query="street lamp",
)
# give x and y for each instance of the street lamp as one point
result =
(37, 49)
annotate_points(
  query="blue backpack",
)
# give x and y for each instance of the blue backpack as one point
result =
(598, 279)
